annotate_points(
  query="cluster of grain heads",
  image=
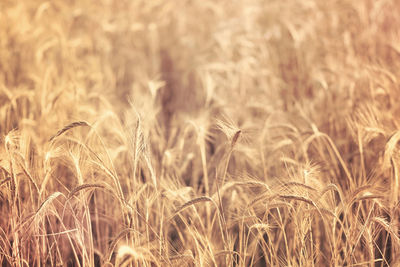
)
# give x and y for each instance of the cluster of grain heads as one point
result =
(222, 133)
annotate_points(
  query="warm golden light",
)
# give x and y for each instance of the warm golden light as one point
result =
(199, 133)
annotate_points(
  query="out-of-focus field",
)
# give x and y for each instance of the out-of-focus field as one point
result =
(199, 133)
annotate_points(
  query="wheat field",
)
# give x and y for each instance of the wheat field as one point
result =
(199, 133)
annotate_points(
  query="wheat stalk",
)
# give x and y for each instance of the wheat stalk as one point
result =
(67, 128)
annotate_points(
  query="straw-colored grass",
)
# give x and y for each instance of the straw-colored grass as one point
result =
(199, 133)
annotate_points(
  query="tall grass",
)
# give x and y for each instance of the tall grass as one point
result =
(199, 133)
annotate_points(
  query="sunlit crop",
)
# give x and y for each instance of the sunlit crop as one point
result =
(199, 133)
